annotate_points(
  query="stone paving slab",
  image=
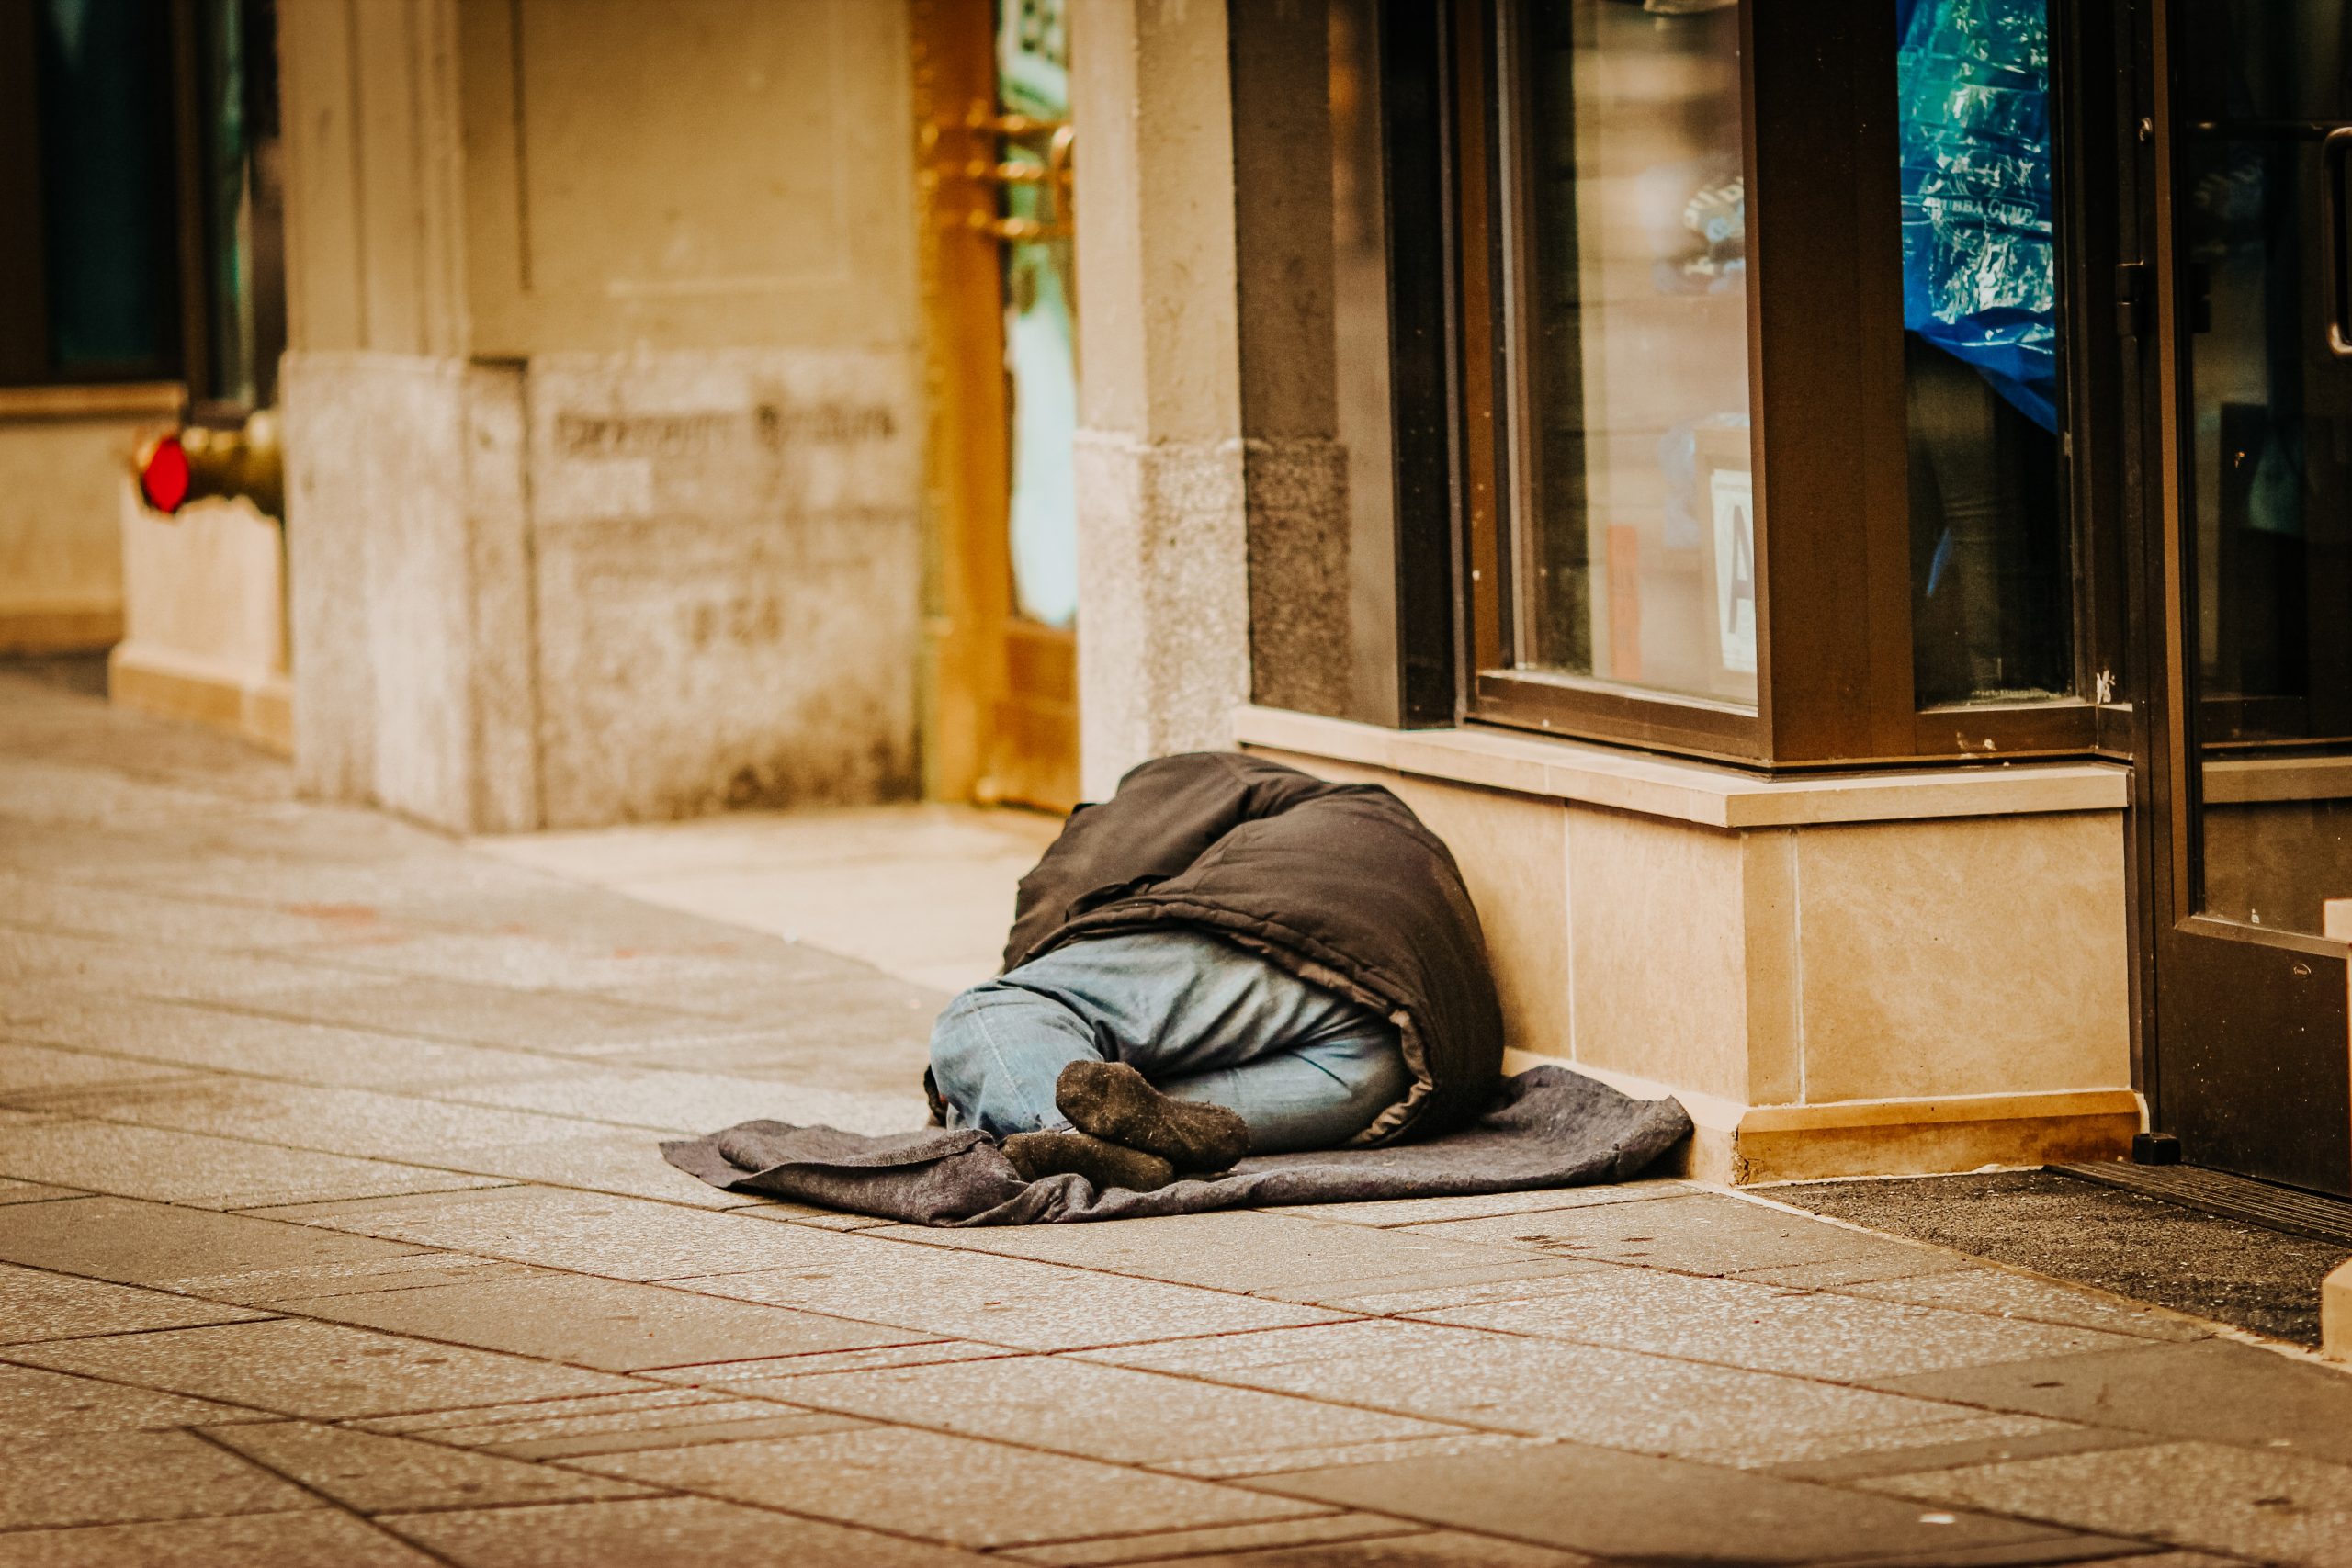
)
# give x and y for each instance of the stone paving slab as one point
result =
(37, 1403)
(1771, 1329)
(14, 1192)
(685, 1102)
(1255, 1252)
(161, 1244)
(363, 1123)
(1968, 1438)
(36, 1305)
(2281, 1508)
(142, 1032)
(951, 1490)
(2011, 1295)
(671, 1532)
(374, 1473)
(128, 1477)
(1537, 1388)
(320, 1370)
(1429, 1548)
(690, 1427)
(316, 1538)
(1324, 1456)
(235, 1028)
(203, 1172)
(1217, 1541)
(1610, 1504)
(1102, 1412)
(34, 903)
(1695, 1233)
(2212, 1390)
(769, 1376)
(531, 1416)
(1003, 1300)
(588, 1233)
(36, 1069)
(1483, 1205)
(615, 1325)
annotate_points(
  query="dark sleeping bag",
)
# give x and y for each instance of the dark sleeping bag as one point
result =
(1338, 884)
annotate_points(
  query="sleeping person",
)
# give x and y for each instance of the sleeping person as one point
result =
(1227, 957)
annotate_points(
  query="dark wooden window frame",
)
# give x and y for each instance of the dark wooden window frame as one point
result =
(1829, 432)
(26, 357)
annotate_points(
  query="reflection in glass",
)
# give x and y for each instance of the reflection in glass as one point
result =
(2261, 87)
(1990, 564)
(1040, 359)
(243, 200)
(1359, 320)
(107, 223)
(1635, 544)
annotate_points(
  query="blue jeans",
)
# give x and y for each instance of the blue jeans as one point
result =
(1200, 1018)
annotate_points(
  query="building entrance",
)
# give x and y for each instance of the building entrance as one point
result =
(2254, 747)
(1002, 301)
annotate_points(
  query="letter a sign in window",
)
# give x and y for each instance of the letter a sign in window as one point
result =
(1732, 494)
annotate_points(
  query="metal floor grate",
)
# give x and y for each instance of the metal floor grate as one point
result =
(2232, 1197)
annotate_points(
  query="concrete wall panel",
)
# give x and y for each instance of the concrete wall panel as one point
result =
(602, 416)
(1657, 950)
(728, 553)
(1964, 957)
(60, 551)
(676, 173)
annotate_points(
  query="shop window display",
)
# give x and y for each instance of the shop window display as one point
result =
(1635, 540)
(1991, 569)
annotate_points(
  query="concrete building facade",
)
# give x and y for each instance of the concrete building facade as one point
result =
(1912, 733)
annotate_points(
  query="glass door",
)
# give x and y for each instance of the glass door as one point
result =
(2252, 1062)
(1001, 299)
(1034, 757)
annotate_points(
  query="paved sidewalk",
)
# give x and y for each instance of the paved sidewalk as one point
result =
(923, 891)
(331, 1232)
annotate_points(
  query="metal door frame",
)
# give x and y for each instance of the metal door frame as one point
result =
(2225, 1009)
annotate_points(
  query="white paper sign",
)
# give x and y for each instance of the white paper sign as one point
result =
(1732, 494)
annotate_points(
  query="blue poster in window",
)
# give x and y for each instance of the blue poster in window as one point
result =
(1980, 277)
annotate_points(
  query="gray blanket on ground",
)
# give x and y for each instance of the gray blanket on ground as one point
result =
(1548, 1127)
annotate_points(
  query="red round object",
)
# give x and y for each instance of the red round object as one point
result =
(164, 478)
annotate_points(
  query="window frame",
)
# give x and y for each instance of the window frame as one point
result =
(1828, 428)
(181, 34)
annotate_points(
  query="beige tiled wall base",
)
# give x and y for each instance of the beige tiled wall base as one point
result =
(2336, 1314)
(260, 708)
(55, 627)
(204, 601)
(1916, 1137)
(63, 451)
(1740, 1144)
(1896, 974)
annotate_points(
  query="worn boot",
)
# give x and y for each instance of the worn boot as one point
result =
(1116, 1103)
(1106, 1165)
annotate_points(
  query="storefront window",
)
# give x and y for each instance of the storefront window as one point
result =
(1040, 295)
(1633, 538)
(1774, 444)
(106, 217)
(1991, 568)
(243, 189)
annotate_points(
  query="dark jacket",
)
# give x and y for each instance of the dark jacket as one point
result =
(1338, 884)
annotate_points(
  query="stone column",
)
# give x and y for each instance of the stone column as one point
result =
(390, 653)
(602, 410)
(1163, 548)
(1296, 469)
